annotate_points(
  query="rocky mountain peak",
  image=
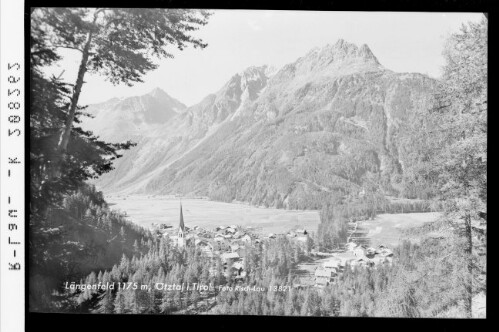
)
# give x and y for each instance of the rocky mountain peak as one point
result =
(332, 60)
(258, 137)
(248, 82)
(253, 80)
(343, 51)
(164, 98)
(365, 52)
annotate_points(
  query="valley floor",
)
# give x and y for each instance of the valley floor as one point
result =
(146, 210)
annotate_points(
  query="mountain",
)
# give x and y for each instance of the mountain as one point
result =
(289, 139)
(120, 119)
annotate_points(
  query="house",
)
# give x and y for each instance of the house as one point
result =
(386, 252)
(370, 252)
(238, 234)
(220, 245)
(238, 268)
(228, 259)
(389, 260)
(301, 231)
(202, 243)
(246, 238)
(164, 226)
(205, 246)
(359, 252)
(322, 273)
(302, 238)
(361, 262)
(332, 264)
(272, 236)
(229, 256)
(324, 276)
(345, 258)
(377, 260)
(321, 282)
(230, 230)
(350, 246)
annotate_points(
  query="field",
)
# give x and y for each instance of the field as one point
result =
(388, 229)
(146, 210)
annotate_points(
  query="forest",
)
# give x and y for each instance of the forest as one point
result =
(74, 234)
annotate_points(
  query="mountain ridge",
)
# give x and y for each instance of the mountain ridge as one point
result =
(316, 126)
(119, 119)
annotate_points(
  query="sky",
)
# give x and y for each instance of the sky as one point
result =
(237, 39)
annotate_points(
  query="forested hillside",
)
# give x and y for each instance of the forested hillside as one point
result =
(426, 281)
(80, 236)
(72, 231)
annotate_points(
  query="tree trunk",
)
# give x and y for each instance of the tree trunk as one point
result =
(62, 145)
(469, 263)
(63, 141)
(468, 232)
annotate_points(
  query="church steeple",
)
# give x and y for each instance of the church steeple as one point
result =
(181, 224)
(181, 229)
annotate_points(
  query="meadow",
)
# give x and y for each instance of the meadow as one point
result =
(146, 210)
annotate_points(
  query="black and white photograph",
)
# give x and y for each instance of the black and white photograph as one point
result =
(257, 162)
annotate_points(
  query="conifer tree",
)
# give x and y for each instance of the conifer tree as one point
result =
(461, 112)
(106, 303)
(120, 302)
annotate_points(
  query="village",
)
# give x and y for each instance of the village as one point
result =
(230, 243)
(354, 256)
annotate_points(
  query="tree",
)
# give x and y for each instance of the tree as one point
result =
(136, 249)
(120, 302)
(461, 112)
(86, 156)
(194, 298)
(118, 43)
(106, 303)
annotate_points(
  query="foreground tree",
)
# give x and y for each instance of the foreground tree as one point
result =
(118, 43)
(461, 114)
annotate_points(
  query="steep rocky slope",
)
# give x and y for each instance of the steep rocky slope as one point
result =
(290, 139)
